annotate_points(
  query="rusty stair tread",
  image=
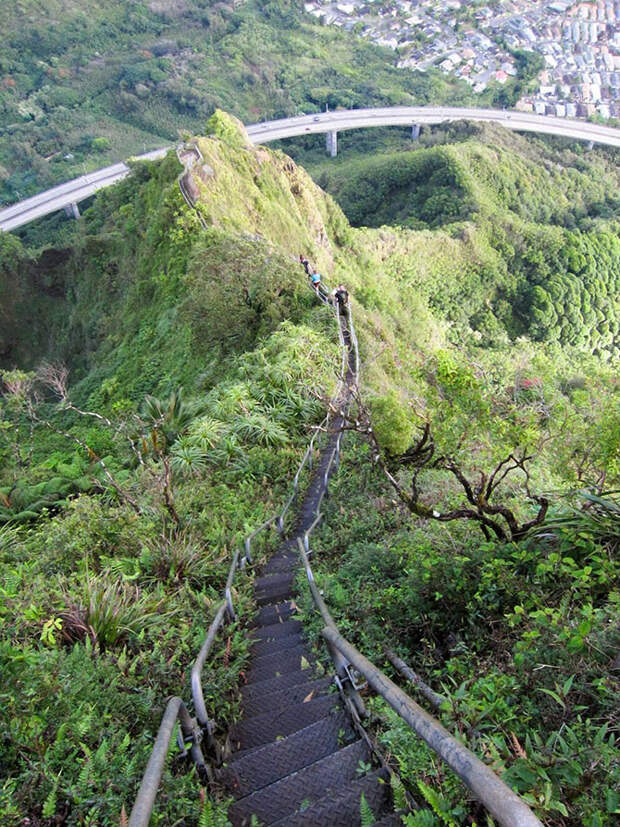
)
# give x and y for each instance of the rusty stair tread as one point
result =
(274, 595)
(312, 782)
(268, 581)
(259, 689)
(285, 697)
(265, 765)
(280, 663)
(270, 647)
(275, 630)
(281, 563)
(343, 810)
(275, 613)
(270, 726)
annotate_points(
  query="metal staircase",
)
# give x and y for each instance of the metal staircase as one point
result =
(297, 758)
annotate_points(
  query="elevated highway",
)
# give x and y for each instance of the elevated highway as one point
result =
(420, 115)
(69, 194)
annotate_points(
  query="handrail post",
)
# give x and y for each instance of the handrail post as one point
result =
(145, 800)
(341, 665)
(502, 802)
(229, 605)
(196, 677)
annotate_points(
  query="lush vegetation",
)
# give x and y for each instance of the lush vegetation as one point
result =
(544, 258)
(197, 361)
(86, 83)
(121, 494)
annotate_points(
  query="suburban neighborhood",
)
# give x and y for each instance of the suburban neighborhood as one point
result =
(477, 41)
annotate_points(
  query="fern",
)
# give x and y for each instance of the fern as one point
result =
(366, 814)
(49, 807)
(433, 799)
(421, 818)
(398, 793)
(84, 775)
(212, 815)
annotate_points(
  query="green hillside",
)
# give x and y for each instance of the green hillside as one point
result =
(485, 299)
(84, 84)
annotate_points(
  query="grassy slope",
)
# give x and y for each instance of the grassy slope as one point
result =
(135, 282)
(149, 290)
(136, 74)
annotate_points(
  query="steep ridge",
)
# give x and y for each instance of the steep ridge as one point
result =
(296, 756)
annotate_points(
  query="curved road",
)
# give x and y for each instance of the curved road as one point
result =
(72, 192)
(410, 115)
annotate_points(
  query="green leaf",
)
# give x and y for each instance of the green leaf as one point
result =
(553, 695)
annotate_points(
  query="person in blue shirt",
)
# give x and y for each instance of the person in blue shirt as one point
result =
(315, 278)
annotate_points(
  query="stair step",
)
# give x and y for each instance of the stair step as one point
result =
(275, 614)
(279, 663)
(269, 647)
(275, 630)
(274, 595)
(343, 810)
(286, 697)
(268, 727)
(285, 796)
(281, 563)
(259, 689)
(265, 765)
(268, 582)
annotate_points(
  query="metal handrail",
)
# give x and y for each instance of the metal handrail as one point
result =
(240, 562)
(175, 710)
(355, 344)
(247, 543)
(502, 802)
(346, 681)
(196, 683)
(306, 458)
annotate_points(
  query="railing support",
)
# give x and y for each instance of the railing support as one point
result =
(434, 698)
(503, 804)
(196, 679)
(143, 805)
(340, 663)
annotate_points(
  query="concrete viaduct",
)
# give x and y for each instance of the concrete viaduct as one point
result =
(68, 195)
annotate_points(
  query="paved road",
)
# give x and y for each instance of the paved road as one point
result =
(409, 115)
(71, 192)
(80, 188)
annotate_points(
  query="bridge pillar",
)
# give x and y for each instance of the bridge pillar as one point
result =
(72, 210)
(415, 131)
(331, 143)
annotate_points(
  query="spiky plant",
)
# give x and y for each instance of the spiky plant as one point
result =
(110, 611)
(595, 516)
(206, 432)
(170, 417)
(258, 429)
(187, 458)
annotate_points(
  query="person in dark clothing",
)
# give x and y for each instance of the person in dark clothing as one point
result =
(342, 297)
(305, 264)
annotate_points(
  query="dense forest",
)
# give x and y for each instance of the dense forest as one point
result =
(162, 370)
